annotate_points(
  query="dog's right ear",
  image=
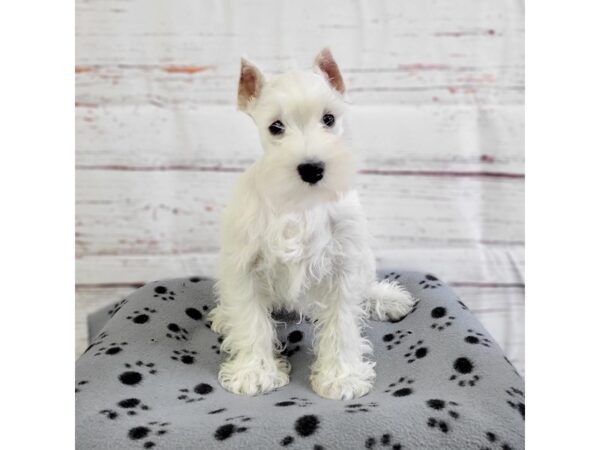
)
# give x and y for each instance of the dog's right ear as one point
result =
(251, 83)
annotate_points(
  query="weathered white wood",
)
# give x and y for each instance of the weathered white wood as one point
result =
(404, 137)
(187, 52)
(163, 212)
(486, 265)
(500, 309)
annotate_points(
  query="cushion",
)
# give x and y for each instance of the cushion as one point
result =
(149, 380)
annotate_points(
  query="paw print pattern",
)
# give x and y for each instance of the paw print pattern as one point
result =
(233, 426)
(430, 282)
(145, 433)
(116, 307)
(97, 341)
(475, 338)
(130, 405)
(416, 351)
(111, 349)
(394, 339)
(462, 305)
(304, 426)
(494, 443)
(79, 386)
(292, 340)
(141, 316)
(392, 276)
(197, 279)
(443, 408)
(385, 440)
(400, 388)
(295, 401)
(463, 368)
(177, 332)
(217, 347)
(516, 400)
(193, 314)
(134, 374)
(184, 356)
(196, 394)
(164, 294)
(360, 407)
(441, 318)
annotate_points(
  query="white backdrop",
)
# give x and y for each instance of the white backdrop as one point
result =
(437, 88)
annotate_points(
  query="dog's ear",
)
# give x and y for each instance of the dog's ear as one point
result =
(251, 82)
(327, 65)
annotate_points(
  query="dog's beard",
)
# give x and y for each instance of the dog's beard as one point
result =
(281, 186)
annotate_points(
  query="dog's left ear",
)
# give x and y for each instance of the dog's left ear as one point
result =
(327, 65)
(250, 84)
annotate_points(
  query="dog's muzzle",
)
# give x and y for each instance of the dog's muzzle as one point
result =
(311, 172)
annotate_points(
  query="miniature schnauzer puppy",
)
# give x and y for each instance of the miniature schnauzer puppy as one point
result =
(294, 237)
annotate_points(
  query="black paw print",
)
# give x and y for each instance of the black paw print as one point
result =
(98, 340)
(464, 367)
(79, 385)
(394, 339)
(516, 400)
(130, 405)
(295, 401)
(292, 339)
(430, 282)
(141, 316)
(110, 349)
(475, 338)
(217, 411)
(197, 279)
(442, 407)
(494, 443)
(227, 430)
(196, 394)
(392, 276)
(176, 332)
(217, 347)
(360, 407)
(184, 356)
(134, 374)
(163, 293)
(194, 313)
(442, 320)
(462, 305)
(116, 307)
(400, 388)
(304, 426)
(145, 433)
(416, 351)
(385, 440)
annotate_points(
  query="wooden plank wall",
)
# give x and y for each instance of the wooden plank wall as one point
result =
(437, 90)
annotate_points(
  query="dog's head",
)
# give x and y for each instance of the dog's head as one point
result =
(299, 117)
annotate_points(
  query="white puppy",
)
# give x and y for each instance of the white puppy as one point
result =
(294, 237)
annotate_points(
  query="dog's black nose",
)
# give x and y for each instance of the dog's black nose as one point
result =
(311, 172)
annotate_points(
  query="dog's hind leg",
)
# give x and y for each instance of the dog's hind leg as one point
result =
(388, 300)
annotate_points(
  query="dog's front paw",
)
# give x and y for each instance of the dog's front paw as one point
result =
(344, 387)
(254, 377)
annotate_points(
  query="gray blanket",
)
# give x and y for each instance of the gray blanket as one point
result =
(149, 380)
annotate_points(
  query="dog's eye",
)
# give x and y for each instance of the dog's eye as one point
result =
(328, 120)
(276, 128)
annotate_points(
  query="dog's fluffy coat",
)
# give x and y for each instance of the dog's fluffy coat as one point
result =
(298, 246)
